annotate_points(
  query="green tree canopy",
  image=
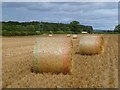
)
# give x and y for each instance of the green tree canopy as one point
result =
(12, 28)
(75, 27)
(117, 28)
(75, 23)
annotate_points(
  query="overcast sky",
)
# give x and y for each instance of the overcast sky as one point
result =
(100, 15)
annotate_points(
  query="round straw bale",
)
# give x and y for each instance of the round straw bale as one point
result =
(50, 35)
(53, 55)
(68, 35)
(75, 36)
(91, 44)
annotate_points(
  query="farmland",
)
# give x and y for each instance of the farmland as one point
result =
(88, 71)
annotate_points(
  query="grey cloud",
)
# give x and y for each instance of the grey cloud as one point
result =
(42, 7)
(61, 6)
(14, 4)
(93, 13)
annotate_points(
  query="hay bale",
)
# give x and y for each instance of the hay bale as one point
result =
(68, 35)
(75, 36)
(91, 44)
(53, 55)
(50, 35)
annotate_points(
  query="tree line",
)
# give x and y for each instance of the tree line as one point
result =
(117, 28)
(15, 28)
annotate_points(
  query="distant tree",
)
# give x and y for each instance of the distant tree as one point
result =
(75, 23)
(18, 27)
(117, 28)
(90, 29)
(30, 27)
(68, 30)
(51, 32)
(74, 27)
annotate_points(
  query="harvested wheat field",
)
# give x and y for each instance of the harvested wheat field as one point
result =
(88, 71)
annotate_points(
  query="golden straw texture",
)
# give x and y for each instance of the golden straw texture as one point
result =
(53, 55)
(75, 36)
(91, 44)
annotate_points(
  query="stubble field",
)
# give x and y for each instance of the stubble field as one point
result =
(88, 71)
